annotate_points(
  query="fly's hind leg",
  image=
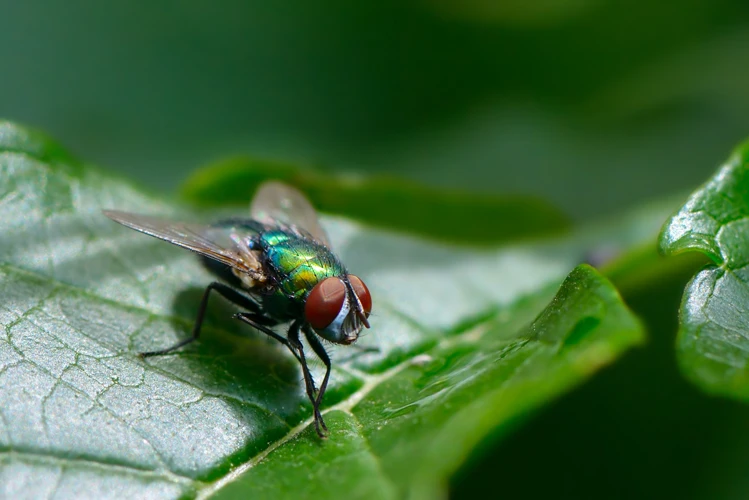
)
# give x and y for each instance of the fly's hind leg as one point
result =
(229, 294)
(263, 324)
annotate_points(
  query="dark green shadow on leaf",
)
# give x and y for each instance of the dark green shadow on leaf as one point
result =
(713, 339)
(389, 202)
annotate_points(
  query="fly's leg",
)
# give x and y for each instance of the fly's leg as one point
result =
(262, 323)
(296, 348)
(292, 343)
(229, 294)
(314, 342)
(309, 383)
(256, 321)
(320, 426)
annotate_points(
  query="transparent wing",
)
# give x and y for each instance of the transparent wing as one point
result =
(223, 246)
(277, 202)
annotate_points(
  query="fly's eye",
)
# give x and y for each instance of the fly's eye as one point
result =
(324, 303)
(361, 291)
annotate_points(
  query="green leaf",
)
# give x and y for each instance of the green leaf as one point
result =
(81, 415)
(388, 202)
(713, 338)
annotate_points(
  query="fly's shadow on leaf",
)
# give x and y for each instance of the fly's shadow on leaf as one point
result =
(229, 352)
(248, 359)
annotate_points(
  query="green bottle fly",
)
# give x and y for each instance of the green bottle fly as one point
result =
(278, 267)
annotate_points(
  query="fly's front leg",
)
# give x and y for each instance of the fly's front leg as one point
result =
(320, 426)
(296, 348)
(317, 346)
(229, 294)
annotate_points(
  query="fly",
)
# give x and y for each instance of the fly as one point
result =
(278, 267)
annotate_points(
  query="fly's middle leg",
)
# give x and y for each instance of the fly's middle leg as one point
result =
(229, 294)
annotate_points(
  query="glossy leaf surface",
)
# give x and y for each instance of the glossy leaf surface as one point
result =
(713, 339)
(81, 415)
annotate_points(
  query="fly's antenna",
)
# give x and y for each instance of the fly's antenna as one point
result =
(362, 317)
(359, 308)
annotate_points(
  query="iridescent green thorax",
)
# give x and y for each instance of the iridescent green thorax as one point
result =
(298, 264)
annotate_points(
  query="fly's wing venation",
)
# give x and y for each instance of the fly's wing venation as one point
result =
(223, 245)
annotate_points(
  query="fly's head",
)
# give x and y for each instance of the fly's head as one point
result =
(337, 308)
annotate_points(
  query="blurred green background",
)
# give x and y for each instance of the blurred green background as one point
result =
(591, 104)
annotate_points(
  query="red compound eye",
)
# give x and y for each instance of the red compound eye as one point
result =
(324, 302)
(361, 291)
